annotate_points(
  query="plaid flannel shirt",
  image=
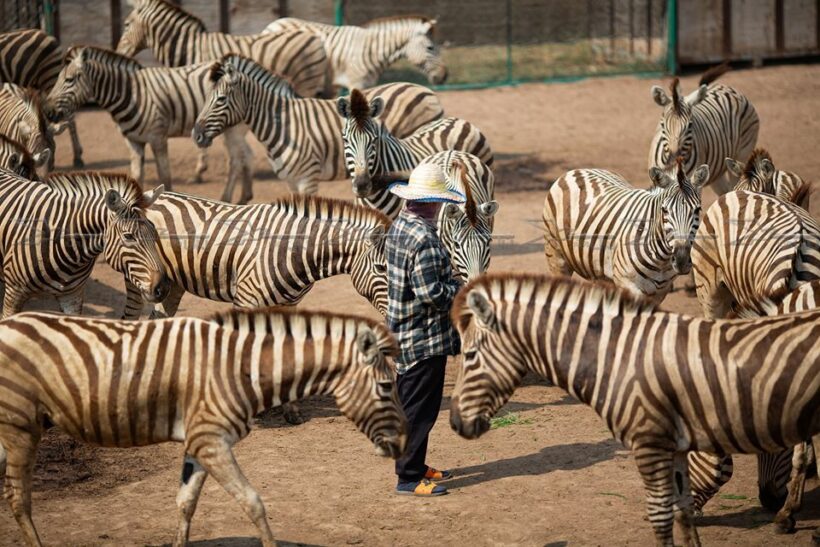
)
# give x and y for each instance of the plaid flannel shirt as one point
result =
(420, 291)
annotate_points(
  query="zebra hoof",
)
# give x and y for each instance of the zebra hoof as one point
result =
(78, 163)
(784, 525)
(293, 417)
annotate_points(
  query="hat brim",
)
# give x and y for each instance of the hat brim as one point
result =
(410, 193)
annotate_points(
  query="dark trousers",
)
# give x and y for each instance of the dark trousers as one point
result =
(420, 391)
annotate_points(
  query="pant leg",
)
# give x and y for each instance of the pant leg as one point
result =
(420, 392)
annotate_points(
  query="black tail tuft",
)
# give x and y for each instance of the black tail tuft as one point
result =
(714, 73)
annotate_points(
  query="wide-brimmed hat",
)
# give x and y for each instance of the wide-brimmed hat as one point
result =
(427, 183)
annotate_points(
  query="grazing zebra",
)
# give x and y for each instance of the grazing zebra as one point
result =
(148, 104)
(359, 55)
(664, 383)
(751, 248)
(303, 136)
(758, 174)
(192, 381)
(22, 119)
(15, 158)
(52, 233)
(601, 227)
(177, 38)
(32, 58)
(712, 123)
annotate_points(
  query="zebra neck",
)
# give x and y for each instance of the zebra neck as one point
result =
(87, 218)
(385, 44)
(393, 154)
(656, 244)
(336, 245)
(264, 113)
(179, 45)
(114, 90)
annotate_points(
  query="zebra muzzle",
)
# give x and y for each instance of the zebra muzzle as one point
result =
(362, 185)
(199, 136)
(682, 261)
(471, 429)
(159, 289)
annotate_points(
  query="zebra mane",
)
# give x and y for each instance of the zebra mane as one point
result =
(173, 9)
(395, 19)
(96, 53)
(332, 209)
(277, 83)
(97, 183)
(754, 162)
(470, 207)
(526, 289)
(359, 108)
(676, 100)
(298, 321)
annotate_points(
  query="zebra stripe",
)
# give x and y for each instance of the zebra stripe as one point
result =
(752, 248)
(197, 382)
(601, 227)
(15, 158)
(22, 119)
(149, 105)
(664, 383)
(177, 38)
(302, 136)
(52, 233)
(710, 124)
(32, 58)
(760, 175)
(359, 55)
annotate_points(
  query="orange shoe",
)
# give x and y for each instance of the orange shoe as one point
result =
(423, 488)
(434, 474)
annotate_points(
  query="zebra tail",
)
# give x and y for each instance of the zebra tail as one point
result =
(800, 196)
(714, 73)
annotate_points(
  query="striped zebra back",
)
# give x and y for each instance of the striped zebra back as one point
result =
(752, 248)
(15, 158)
(759, 175)
(23, 120)
(29, 58)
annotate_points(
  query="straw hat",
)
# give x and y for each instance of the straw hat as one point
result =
(427, 183)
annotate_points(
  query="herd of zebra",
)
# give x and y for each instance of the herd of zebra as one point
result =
(683, 393)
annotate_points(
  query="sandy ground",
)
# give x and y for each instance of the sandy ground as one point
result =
(556, 477)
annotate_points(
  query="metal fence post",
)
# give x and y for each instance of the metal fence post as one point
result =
(509, 42)
(672, 36)
(48, 16)
(339, 12)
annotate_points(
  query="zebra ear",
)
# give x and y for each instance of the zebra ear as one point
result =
(482, 310)
(114, 202)
(734, 167)
(659, 96)
(702, 90)
(343, 107)
(700, 176)
(368, 346)
(148, 198)
(659, 178)
(230, 73)
(376, 107)
(767, 168)
(489, 209)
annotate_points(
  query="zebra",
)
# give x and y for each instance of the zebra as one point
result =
(23, 120)
(601, 227)
(148, 104)
(198, 382)
(32, 58)
(758, 174)
(359, 55)
(705, 127)
(15, 158)
(51, 233)
(750, 248)
(664, 383)
(303, 136)
(177, 38)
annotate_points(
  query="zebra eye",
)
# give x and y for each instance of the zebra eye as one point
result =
(69, 80)
(128, 237)
(469, 354)
(381, 269)
(221, 99)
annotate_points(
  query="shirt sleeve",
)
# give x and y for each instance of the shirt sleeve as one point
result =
(431, 278)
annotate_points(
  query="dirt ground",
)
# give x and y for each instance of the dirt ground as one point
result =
(554, 476)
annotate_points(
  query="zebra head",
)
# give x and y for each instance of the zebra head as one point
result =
(135, 35)
(162, 26)
(73, 87)
(226, 105)
(423, 52)
(758, 174)
(492, 365)
(675, 138)
(369, 270)
(367, 395)
(30, 123)
(131, 244)
(679, 215)
(361, 134)
(467, 230)
(15, 158)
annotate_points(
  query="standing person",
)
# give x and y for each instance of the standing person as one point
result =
(421, 288)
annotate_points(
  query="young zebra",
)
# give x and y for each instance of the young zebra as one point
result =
(303, 136)
(52, 233)
(192, 381)
(149, 105)
(22, 119)
(32, 58)
(751, 248)
(359, 55)
(759, 175)
(15, 158)
(177, 38)
(710, 124)
(601, 227)
(665, 384)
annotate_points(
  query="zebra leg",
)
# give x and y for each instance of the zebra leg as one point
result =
(247, 173)
(707, 474)
(137, 159)
(193, 477)
(75, 144)
(240, 159)
(714, 298)
(656, 469)
(292, 414)
(218, 460)
(201, 165)
(169, 306)
(72, 303)
(773, 476)
(13, 300)
(784, 521)
(160, 149)
(683, 500)
(20, 451)
(556, 262)
(815, 443)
